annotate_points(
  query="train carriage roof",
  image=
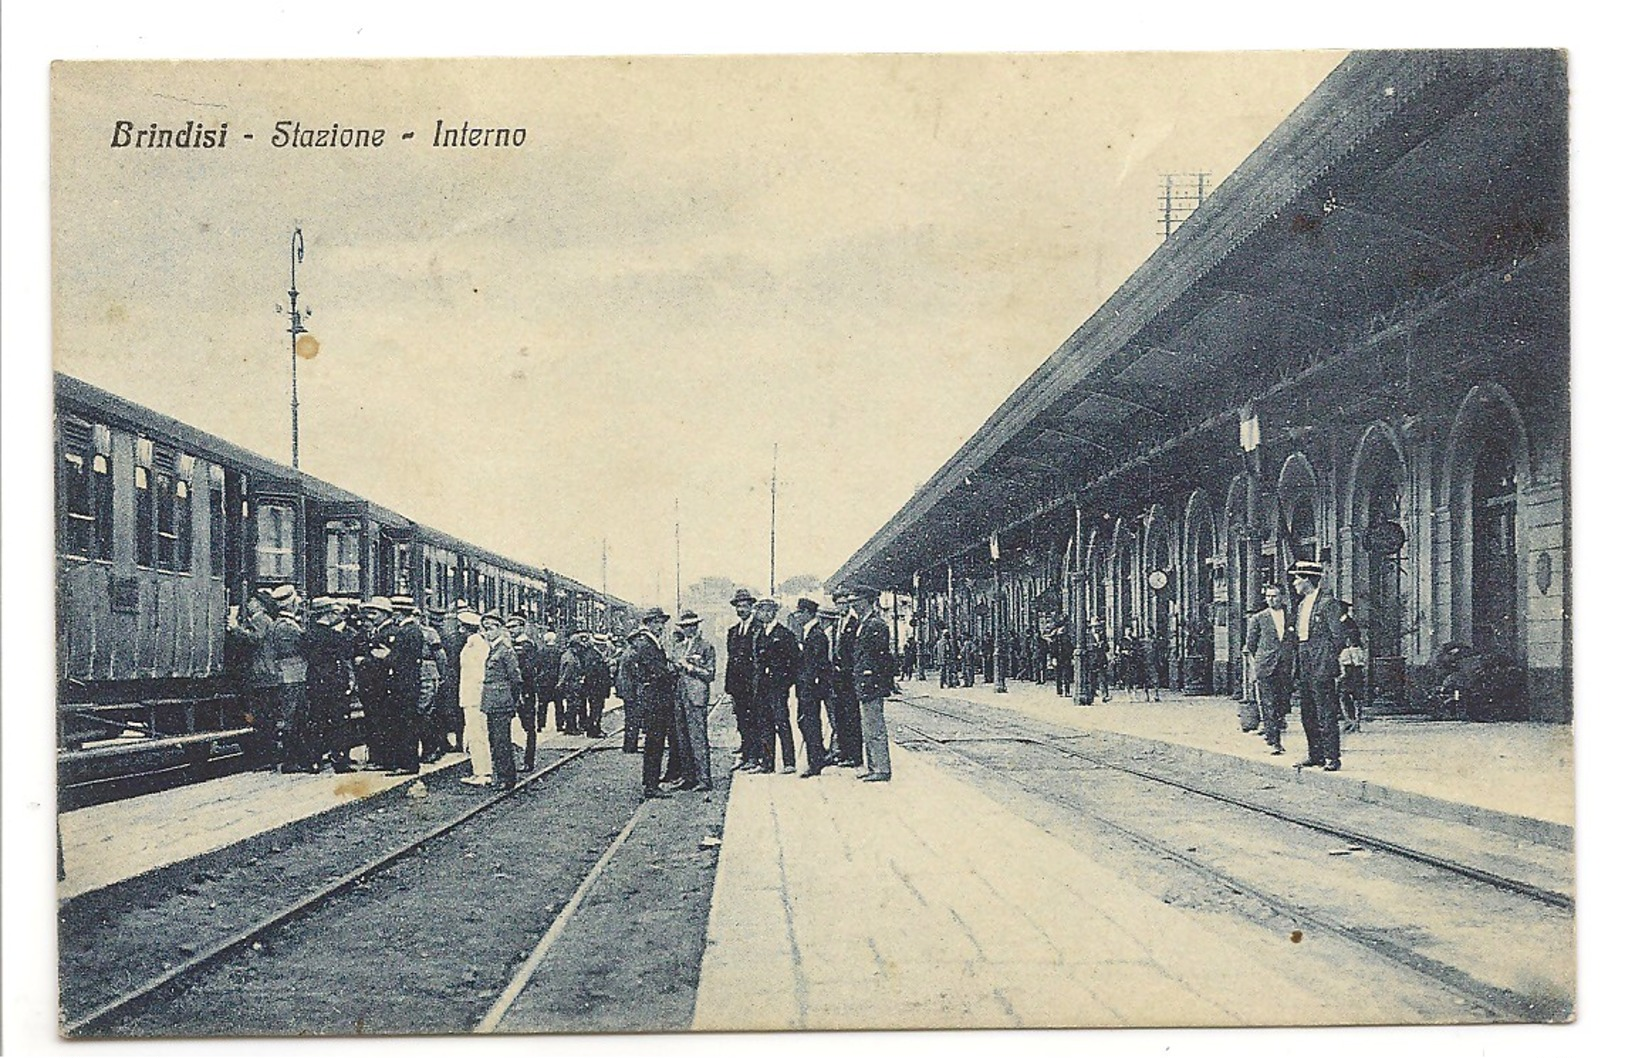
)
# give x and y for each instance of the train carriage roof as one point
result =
(80, 397)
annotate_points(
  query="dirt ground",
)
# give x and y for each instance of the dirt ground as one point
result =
(427, 944)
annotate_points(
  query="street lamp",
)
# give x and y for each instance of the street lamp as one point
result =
(301, 343)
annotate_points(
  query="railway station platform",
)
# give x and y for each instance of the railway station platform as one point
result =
(107, 843)
(1514, 775)
(925, 903)
(933, 902)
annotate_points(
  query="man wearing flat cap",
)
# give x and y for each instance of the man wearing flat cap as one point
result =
(1321, 636)
(737, 677)
(652, 680)
(872, 671)
(285, 644)
(529, 657)
(402, 641)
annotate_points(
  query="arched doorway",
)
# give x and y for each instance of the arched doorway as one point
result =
(1382, 532)
(1300, 529)
(1495, 547)
(1200, 571)
(1488, 462)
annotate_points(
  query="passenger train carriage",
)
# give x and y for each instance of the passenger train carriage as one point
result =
(162, 530)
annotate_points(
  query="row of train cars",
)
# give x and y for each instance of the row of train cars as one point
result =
(163, 530)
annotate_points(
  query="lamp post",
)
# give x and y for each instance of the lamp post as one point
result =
(1080, 587)
(296, 253)
(998, 617)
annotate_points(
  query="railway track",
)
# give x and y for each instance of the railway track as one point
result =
(129, 1003)
(1552, 906)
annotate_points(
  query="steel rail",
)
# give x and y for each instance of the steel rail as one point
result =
(1535, 892)
(1504, 1004)
(219, 950)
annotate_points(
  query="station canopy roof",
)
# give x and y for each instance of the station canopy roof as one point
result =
(1402, 173)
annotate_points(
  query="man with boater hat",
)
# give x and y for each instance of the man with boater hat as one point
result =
(1321, 636)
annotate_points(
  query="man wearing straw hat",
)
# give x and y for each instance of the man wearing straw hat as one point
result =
(1321, 637)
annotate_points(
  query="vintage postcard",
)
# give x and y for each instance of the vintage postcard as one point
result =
(826, 542)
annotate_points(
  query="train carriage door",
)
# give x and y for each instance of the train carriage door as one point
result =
(237, 535)
(395, 561)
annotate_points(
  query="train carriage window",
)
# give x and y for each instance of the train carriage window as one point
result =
(184, 467)
(85, 497)
(143, 517)
(163, 502)
(403, 569)
(101, 483)
(217, 521)
(344, 556)
(273, 543)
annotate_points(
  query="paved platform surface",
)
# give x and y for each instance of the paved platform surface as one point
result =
(1522, 769)
(924, 903)
(108, 843)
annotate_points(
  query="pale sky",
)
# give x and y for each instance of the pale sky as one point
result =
(689, 259)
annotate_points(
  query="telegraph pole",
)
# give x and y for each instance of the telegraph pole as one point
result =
(603, 574)
(677, 534)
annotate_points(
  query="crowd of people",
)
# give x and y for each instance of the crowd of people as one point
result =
(425, 684)
(836, 659)
(428, 684)
(1313, 655)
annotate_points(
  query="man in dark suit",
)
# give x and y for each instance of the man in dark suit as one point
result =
(813, 686)
(737, 677)
(872, 671)
(1270, 646)
(1321, 635)
(649, 669)
(843, 702)
(1060, 646)
(776, 656)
